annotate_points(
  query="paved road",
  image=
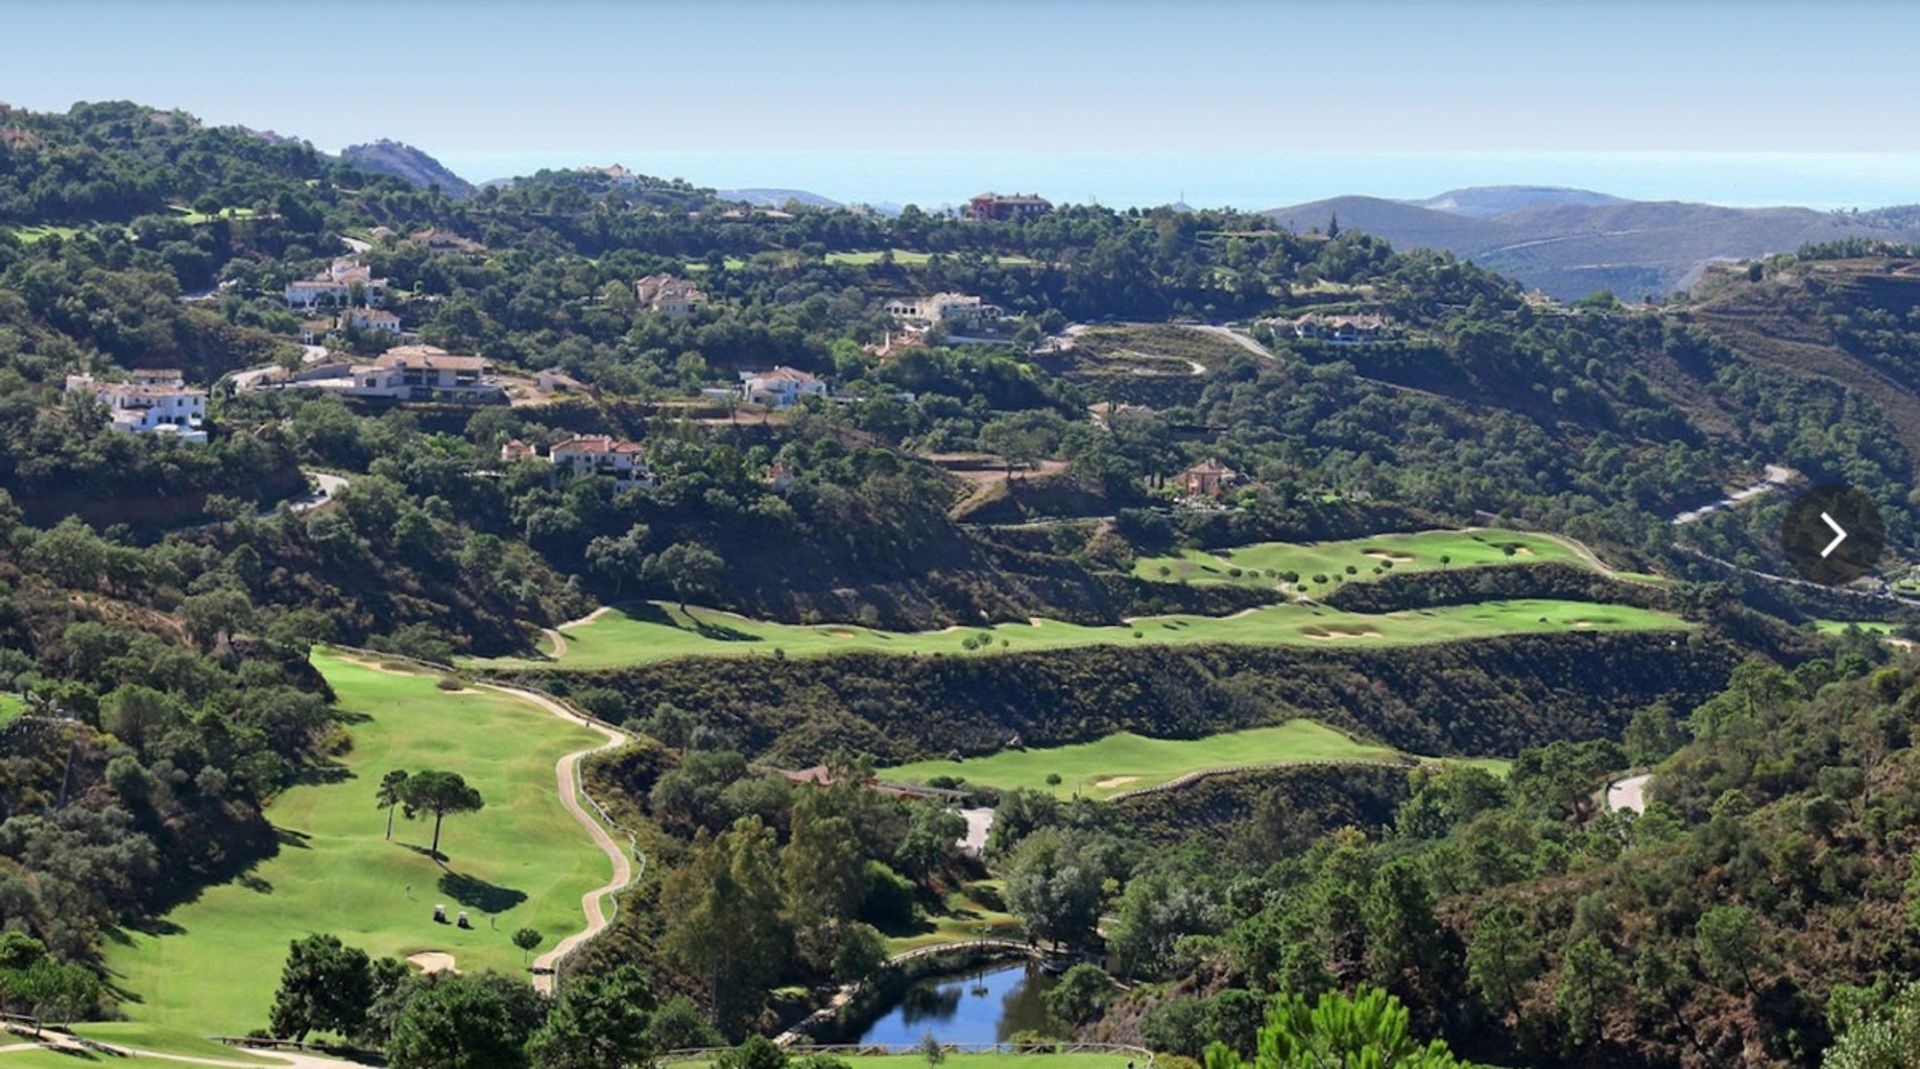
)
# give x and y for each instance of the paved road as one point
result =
(1777, 477)
(325, 486)
(979, 823)
(1628, 795)
(567, 776)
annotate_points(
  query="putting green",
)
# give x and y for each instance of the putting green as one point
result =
(1126, 762)
(655, 631)
(1259, 565)
(213, 964)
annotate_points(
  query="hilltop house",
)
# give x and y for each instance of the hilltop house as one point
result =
(600, 454)
(998, 208)
(156, 402)
(956, 309)
(377, 320)
(783, 387)
(514, 449)
(1207, 479)
(666, 295)
(336, 287)
(426, 373)
(1340, 329)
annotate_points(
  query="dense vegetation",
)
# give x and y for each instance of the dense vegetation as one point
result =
(156, 609)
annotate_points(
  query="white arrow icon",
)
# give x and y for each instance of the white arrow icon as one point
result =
(1839, 536)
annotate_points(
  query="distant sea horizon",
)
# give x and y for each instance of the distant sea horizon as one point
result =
(1252, 181)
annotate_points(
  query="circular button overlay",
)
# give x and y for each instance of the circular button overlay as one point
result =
(1833, 534)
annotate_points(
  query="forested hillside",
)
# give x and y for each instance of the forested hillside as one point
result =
(1153, 414)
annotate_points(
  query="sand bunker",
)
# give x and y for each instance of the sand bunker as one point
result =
(1327, 634)
(433, 961)
(1387, 554)
(1115, 781)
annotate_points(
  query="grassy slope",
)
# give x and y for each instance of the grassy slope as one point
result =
(655, 631)
(11, 705)
(1417, 552)
(965, 916)
(217, 969)
(1126, 761)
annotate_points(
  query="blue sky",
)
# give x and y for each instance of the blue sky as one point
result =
(481, 81)
(1193, 76)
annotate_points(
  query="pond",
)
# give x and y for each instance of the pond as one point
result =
(987, 1005)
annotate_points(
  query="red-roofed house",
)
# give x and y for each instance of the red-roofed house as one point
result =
(601, 454)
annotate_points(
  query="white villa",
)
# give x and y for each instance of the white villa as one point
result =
(601, 454)
(959, 309)
(1339, 329)
(672, 297)
(335, 286)
(783, 387)
(155, 402)
(377, 320)
(426, 373)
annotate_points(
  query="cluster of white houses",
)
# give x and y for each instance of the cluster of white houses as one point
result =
(590, 454)
(153, 402)
(344, 282)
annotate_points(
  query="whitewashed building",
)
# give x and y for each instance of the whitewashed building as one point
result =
(335, 287)
(426, 373)
(782, 387)
(601, 454)
(375, 320)
(956, 309)
(674, 298)
(156, 402)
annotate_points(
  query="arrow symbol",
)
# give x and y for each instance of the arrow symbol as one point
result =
(1839, 536)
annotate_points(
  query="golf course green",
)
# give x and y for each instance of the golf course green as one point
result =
(1126, 762)
(656, 631)
(1262, 563)
(212, 965)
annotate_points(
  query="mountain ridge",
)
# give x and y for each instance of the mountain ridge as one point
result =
(1569, 243)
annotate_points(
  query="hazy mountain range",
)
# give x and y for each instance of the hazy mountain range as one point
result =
(1571, 242)
(1565, 242)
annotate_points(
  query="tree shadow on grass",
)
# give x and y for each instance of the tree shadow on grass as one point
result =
(650, 613)
(322, 774)
(475, 893)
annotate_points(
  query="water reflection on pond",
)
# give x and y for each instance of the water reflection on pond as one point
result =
(985, 1006)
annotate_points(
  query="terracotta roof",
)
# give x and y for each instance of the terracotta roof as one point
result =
(595, 443)
(782, 373)
(1210, 466)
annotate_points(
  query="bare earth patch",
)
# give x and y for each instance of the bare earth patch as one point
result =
(1115, 781)
(433, 961)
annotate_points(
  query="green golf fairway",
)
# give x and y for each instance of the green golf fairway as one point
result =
(1417, 552)
(215, 968)
(1126, 762)
(656, 631)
